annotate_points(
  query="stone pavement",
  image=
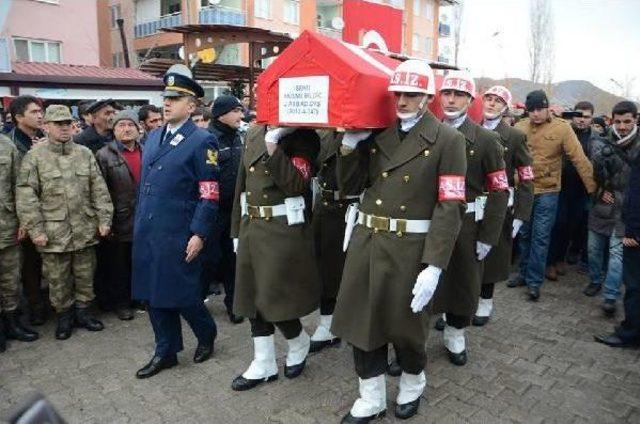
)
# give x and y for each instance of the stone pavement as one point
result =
(533, 363)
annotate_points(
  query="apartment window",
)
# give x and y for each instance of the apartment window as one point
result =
(429, 45)
(262, 9)
(416, 7)
(428, 10)
(292, 12)
(397, 4)
(37, 50)
(169, 7)
(115, 15)
(416, 42)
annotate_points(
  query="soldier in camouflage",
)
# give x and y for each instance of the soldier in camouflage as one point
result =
(63, 202)
(10, 235)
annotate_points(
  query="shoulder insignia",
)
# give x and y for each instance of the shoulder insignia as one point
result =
(212, 157)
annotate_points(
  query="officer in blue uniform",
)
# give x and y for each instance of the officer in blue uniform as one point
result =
(177, 208)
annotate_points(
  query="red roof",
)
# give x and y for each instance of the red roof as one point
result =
(35, 73)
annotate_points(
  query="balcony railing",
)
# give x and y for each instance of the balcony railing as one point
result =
(331, 32)
(153, 26)
(444, 30)
(221, 15)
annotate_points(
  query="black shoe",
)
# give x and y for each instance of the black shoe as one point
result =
(407, 410)
(235, 319)
(16, 331)
(85, 320)
(479, 321)
(534, 294)
(65, 325)
(592, 289)
(240, 384)
(203, 352)
(317, 346)
(294, 370)
(613, 340)
(609, 307)
(350, 419)
(516, 281)
(157, 364)
(458, 359)
(124, 314)
(440, 324)
(38, 316)
(393, 369)
(3, 338)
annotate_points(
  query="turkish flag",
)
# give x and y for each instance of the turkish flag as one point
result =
(361, 17)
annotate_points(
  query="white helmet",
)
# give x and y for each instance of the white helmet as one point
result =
(413, 76)
(459, 81)
(502, 92)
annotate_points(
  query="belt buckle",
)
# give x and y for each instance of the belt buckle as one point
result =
(253, 211)
(380, 223)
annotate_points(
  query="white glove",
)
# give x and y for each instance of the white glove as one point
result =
(235, 245)
(482, 250)
(517, 224)
(425, 287)
(274, 135)
(352, 138)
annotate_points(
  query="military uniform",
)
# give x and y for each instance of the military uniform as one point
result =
(419, 178)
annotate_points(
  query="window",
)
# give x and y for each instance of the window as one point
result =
(416, 7)
(169, 7)
(399, 4)
(428, 10)
(292, 12)
(37, 50)
(415, 42)
(115, 15)
(262, 9)
(429, 46)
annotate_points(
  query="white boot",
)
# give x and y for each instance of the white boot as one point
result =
(323, 332)
(454, 339)
(373, 397)
(485, 306)
(298, 349)
(411, 387)
(264, 364)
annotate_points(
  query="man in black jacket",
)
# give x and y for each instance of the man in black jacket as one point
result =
(100, 132)
(227, 114)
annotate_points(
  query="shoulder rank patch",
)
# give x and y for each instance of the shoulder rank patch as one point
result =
(212, 157)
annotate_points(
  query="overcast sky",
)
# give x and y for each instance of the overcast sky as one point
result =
(595, 40)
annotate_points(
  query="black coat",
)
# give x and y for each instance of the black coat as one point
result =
(229, 155)
(91, 139)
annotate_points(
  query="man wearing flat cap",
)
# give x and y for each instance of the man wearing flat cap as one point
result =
(63, 203)
(100, 131)
(176, 211)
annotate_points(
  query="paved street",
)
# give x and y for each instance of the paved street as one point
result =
(533, 363)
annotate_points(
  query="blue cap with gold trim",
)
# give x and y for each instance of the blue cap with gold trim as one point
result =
(179, 82)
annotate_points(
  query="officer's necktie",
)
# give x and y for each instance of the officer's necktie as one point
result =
(166, 138)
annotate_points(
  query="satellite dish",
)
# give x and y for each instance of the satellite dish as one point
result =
(181, 52)
(214, 2)
(337, 23)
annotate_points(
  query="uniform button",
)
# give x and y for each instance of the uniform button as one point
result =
(426, 153)
(403, 208)
(248, 193)
(378, 202)
(159, 167)
(150, 216)
(324, 184)
(373, 151)
(406, 178)
(385, 174)
(471, 152)
(266, 172)
(265, 196)
(252, 169)
(325, 203)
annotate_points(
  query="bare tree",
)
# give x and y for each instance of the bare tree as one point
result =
(458, 10)
(541, 42)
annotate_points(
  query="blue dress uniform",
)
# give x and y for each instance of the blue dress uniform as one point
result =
(178, 198)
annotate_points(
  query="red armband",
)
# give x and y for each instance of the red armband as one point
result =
(525, 173)
(451, 187)
(303, 166)
(497, 181)
(209, 190)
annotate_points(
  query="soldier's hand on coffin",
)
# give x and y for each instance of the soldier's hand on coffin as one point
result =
(194, 246)
(274, 134)
(352, 138)
(41, 240)
(235, 245)
(425, 287)
(517, 224)
(482, 250)
(104, 230)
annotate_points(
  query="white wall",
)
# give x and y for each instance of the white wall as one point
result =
(154, 97)
(147, 10)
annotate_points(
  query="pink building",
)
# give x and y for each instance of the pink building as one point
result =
(55, 31)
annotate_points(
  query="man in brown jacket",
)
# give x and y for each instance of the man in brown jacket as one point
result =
(548, 139)
(496, 102)
(404, 234)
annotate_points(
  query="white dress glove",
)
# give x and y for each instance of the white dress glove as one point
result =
(517, 224)
(352, 138)
(425, 287)
(274, 135)
(235, 245)
(482, 250)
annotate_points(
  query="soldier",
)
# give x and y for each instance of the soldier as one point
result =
(496, 102)
(63, 202)
(10, 237)
(486, 196)
(328, 228)
(276, 275)
(410, 215)
(176, 210)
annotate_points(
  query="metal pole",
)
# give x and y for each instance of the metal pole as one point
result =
(125, 49)
(251, 75)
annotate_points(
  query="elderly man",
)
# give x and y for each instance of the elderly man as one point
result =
(120, 163)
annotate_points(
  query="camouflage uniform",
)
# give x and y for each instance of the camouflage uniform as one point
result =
(9, 248)
(61, 193)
